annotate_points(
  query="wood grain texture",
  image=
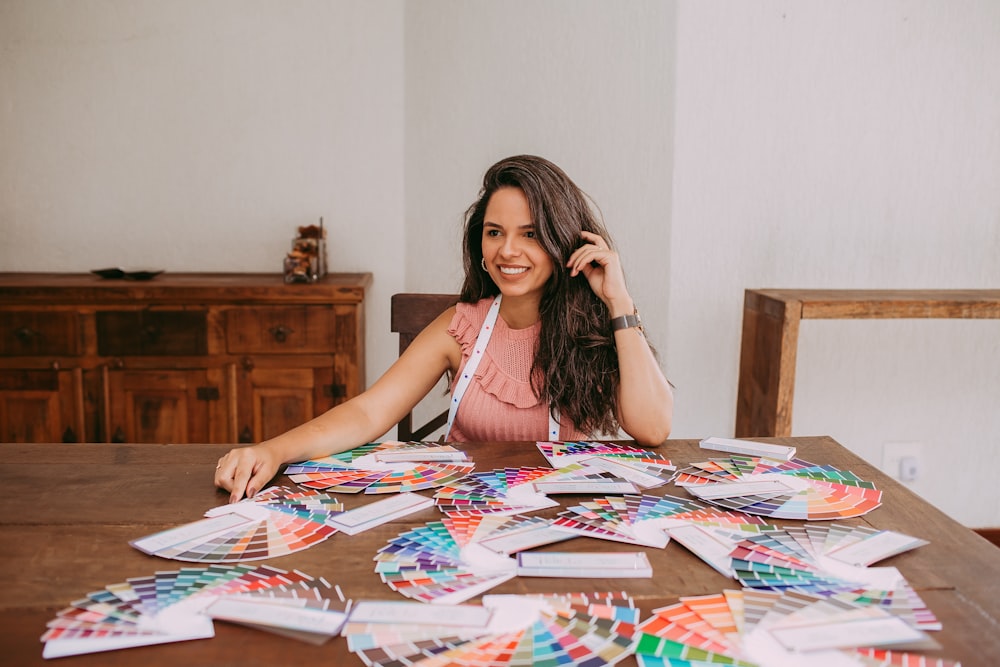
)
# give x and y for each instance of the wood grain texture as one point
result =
(771, 321)
(69, 511)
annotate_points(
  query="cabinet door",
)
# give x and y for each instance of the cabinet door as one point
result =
(274, 400)
(41, 406)
(162, 406)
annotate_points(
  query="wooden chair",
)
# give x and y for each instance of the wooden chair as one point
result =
(410, 313)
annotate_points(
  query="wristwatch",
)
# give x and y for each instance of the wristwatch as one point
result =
(627, 322)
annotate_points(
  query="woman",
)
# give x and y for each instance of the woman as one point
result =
(544, 344)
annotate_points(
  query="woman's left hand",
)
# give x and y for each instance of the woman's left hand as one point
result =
(603, 270)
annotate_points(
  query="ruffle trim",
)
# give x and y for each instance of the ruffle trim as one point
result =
(489, 375)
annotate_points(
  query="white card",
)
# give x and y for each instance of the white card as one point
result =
(848, 630)
(459, 616)
(382, 511)
(242, 610)
(763, 487)
(588, 486)
(587, 565)
(706, 545)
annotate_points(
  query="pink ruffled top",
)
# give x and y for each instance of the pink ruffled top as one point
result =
(499, 403)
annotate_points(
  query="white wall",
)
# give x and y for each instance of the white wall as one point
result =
(730, 145)
(196, 135)
(844, 144)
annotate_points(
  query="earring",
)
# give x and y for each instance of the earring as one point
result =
(482, 262)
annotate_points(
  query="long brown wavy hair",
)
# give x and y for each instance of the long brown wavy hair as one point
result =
(575, 368)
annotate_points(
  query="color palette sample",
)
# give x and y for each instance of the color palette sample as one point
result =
(818, 559)
(746, 628)
(794, 489)
(644, 468)
(459, 557)
(383, 467)
(276, 522)
(169, 606)
(517, 490)
(642, 519)
(590, 629)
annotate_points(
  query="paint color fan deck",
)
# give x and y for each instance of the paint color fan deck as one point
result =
(383, 467)
(276, 522)
(747, 628)
(179, 605)
(587, 630)
(794, 489)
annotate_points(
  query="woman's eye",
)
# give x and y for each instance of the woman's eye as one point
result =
(530, 235)
(492, 232)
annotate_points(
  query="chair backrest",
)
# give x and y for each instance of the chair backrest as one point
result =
(410, 314)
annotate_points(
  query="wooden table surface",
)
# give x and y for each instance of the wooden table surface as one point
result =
(68, 512)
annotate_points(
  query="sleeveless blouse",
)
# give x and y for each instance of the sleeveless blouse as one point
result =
(499, 403)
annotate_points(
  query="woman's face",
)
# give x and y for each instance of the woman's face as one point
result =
(514, 258)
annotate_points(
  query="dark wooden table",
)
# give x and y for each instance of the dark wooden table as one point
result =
(68, 512)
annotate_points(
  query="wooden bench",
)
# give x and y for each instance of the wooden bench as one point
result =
(771, 329)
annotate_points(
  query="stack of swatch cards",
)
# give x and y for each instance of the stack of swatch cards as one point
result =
(180, 605)
(779, 489)
(383, 467)
(645, 469)
(749, 628)
(574, 629)
(526, 489)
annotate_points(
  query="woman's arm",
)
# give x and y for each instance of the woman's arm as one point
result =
(645, 400)
(244, 471)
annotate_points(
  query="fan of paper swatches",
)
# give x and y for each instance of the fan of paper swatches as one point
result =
(518, 490)
(642, 467)
(819, 559)
(177, 605)
(459, 557)
(793, 489)
(276, 522)
(745, 628)
(644, 519)
(591, 630)
(383, 467)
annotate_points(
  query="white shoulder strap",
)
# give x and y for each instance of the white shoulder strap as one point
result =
(485, 332)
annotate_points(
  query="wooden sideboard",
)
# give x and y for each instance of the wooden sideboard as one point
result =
(184, 357)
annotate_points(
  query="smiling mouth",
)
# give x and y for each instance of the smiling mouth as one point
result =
(511, 271)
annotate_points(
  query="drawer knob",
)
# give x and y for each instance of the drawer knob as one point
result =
(245, 435)
(26, 334)
(280, 333)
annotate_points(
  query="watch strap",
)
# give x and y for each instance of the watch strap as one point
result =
(626, 322)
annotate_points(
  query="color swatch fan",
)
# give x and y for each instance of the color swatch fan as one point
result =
(793, 489)
(574, 629)
(819, 559)
(276, 522)
(642, 467)
(179, 605)
(383, 467)
(770, 629)
(642, 519)
(516, 490)
(459, 557)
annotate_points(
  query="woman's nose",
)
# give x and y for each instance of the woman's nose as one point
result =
(510, 247)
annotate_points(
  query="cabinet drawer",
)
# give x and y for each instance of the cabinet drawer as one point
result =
(39, 333)
(152, 332)
(300, 329)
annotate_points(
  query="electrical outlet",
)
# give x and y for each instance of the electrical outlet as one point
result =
(903, 461)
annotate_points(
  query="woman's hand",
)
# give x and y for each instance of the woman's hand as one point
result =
(244, 471)
(603, 270)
